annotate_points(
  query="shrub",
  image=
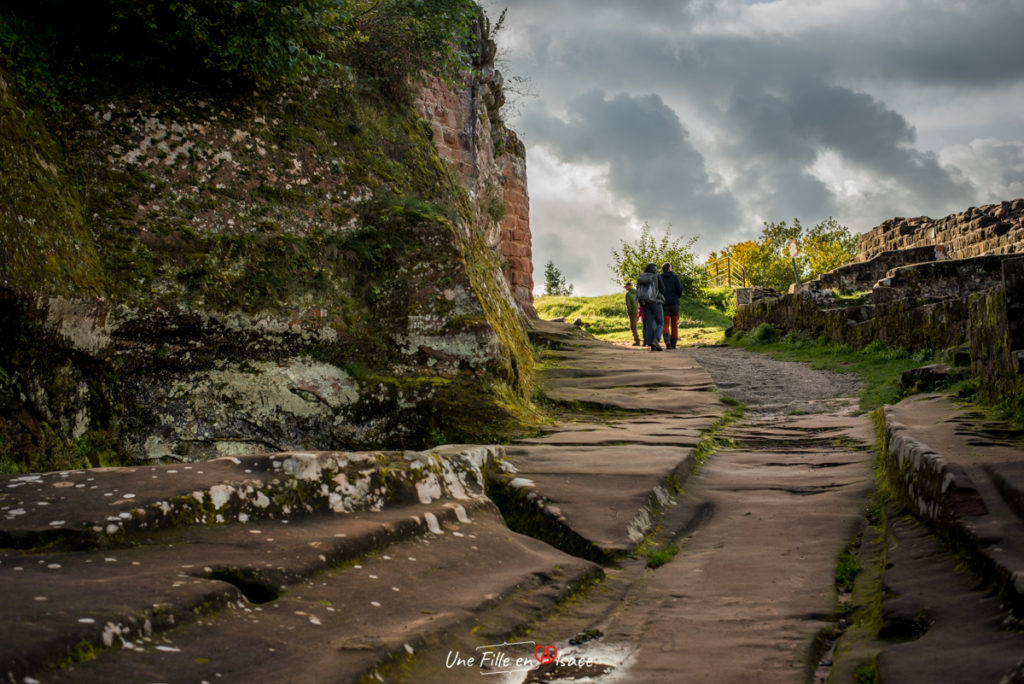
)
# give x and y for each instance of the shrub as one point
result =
(721, 298)
(764, 333)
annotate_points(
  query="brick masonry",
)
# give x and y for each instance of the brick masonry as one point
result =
(491, 163)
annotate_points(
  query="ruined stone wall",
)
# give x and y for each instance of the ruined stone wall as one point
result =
(997, 334)
(491, 163)
(990, 229)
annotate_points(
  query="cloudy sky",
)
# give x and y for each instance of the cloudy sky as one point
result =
(714, 115)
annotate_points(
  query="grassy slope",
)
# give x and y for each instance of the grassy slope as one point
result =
(605, 318)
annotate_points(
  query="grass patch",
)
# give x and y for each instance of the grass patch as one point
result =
(878, 366)
(848, 566)
(605, 318)
(660, 555)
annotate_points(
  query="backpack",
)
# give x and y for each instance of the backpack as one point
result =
(646, 291)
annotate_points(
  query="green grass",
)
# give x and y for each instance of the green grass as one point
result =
(661, 555)
(605, 318)
(879, 367)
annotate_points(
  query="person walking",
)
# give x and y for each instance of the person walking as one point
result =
(671, 290)
(648, 294)
(633, 311)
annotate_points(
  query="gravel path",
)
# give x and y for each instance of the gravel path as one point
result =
(769, 386)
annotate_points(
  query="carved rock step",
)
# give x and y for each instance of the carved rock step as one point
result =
(321, 598)
(966, 480)
(112, 506)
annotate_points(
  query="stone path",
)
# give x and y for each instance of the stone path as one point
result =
(383, 566)
(754, 583)
(759, 527)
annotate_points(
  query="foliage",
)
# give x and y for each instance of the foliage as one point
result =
(239, 43)
(745, 253)
(657, 557)
(400, 39)
(828, 246)
(631, 258)
(848, 566)
(605, 317)
(824, 247)
(554, 282)
(721, 298)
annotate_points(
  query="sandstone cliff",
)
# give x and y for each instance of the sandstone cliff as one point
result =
(185, 275)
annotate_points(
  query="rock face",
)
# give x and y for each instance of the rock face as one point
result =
(184, 277)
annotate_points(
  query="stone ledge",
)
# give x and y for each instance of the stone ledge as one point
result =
(955, 472)
(106, 507)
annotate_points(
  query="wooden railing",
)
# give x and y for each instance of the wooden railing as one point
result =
(726, 272)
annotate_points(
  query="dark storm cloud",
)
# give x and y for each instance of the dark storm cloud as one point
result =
(870, 136)
(731, 110)
(648, 152)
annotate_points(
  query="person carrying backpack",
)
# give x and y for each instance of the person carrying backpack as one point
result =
(671, 289)
(650, 298)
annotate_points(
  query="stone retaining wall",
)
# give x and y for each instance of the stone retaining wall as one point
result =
(900, 323)
(937, 305)
(938, 280)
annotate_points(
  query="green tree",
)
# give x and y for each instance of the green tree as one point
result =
(631, 258)
(828, 246)
(824, 247)
(772, 266)
(554, 281)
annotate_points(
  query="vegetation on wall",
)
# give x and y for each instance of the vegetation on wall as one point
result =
(70, 48)
(263, 158)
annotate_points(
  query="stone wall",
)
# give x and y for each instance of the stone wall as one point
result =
(938, 280)
(862, 275)
(491, 163)
(978, 303)
(990, 229)
(997, 334)
(901, 323)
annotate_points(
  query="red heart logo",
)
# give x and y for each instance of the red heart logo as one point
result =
(545, 654)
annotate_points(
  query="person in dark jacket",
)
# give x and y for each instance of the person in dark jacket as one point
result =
(653, 316)
(671, 289)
